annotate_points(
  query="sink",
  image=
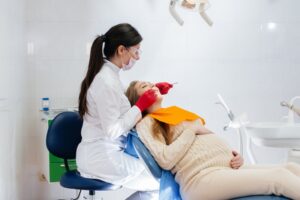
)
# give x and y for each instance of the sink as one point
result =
(274, 134)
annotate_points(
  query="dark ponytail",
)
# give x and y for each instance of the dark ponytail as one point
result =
(121, 34)
(95, 64)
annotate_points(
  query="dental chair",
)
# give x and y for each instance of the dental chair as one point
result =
(156, 171)
(63, 137)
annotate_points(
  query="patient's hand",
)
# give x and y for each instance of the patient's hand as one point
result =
(237, 161)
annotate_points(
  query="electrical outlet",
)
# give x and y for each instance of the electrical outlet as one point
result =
(42, 177)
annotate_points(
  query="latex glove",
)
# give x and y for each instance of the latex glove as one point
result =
(146, 100)
(237, 161)
(164, 87)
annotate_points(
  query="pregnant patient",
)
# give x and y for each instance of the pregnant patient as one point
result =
(205, 167)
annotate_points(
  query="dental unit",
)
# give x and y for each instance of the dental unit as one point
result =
(270, 134)
(196, 5)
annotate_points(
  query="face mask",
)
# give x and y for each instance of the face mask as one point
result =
(129, 65)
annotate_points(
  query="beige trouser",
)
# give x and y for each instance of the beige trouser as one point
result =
(248, 180)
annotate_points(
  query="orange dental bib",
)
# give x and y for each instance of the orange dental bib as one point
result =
(174, 115)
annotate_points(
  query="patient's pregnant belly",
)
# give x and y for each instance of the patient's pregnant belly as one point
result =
(208, 152)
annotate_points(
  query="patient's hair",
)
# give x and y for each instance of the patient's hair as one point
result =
(158, 127)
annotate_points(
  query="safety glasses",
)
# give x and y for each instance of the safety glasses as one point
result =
(135, 51)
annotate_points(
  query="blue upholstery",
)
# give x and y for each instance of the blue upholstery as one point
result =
(63, 137)
(73, 180)
(156, 171)
(147, 157)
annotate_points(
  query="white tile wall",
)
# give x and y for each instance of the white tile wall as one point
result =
(252, 66)
(12, 90)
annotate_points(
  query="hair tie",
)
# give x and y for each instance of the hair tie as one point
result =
(103, 37)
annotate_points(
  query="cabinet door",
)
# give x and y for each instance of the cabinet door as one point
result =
(58, 169)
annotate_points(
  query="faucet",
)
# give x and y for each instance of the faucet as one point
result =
(292, 108)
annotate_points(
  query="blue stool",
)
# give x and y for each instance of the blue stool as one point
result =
(63, 137)
(156, 171)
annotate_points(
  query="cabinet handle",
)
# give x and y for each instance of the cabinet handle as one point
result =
(70, 165)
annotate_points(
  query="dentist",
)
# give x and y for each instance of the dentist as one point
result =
(107, 114)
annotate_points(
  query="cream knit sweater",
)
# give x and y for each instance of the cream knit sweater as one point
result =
(189, 156)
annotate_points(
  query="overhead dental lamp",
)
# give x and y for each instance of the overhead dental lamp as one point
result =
(193, 5)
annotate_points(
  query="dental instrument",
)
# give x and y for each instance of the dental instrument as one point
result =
(232, 121)
(222, 103)
(238, 123)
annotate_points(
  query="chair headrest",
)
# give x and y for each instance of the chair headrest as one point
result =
(64, 135)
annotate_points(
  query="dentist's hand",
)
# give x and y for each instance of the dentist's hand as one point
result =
(237, 161)
(146, 100)
(164, 87)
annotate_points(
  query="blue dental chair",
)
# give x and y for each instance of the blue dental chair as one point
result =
(63, 137)
(156, 171)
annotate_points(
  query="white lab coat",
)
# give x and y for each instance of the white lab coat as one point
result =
(100, 153)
